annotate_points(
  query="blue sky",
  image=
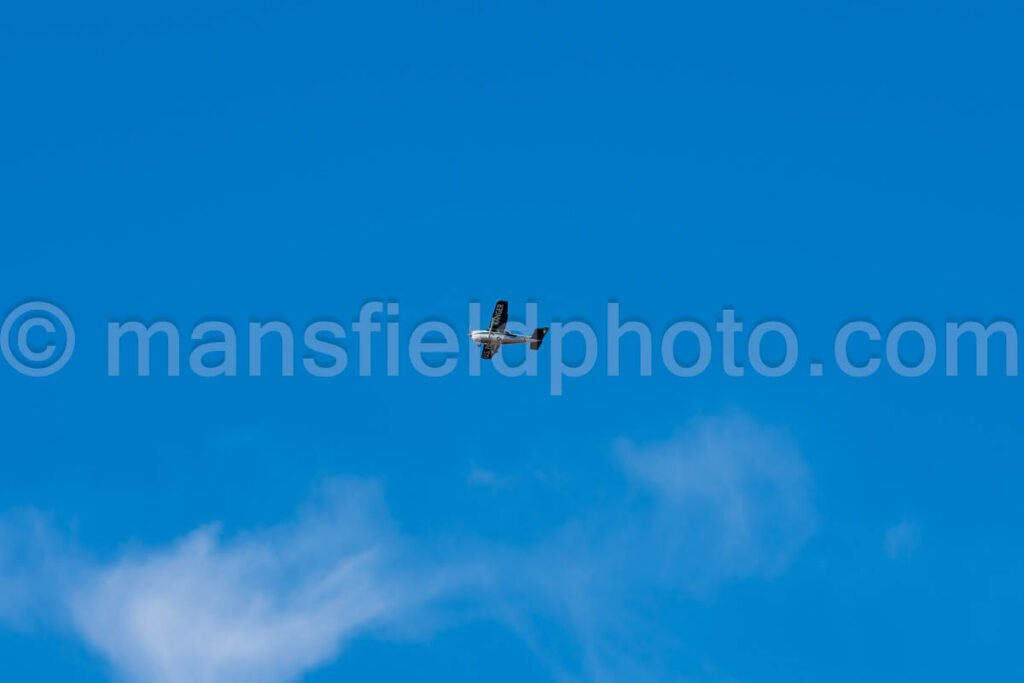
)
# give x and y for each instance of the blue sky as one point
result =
(809, 162)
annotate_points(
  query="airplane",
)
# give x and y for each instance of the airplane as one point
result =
(495, 336)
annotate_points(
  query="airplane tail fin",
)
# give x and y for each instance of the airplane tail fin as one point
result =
(538, 337)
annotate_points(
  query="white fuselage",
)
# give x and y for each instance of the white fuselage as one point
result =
(498, 338)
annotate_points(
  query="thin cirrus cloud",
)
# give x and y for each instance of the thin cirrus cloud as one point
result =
(262, 607)
(724, 499)
(902, 540)
(737, 496)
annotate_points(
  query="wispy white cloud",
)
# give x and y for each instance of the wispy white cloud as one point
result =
(31, 557)
(901, 540)
(258, 607)
(723, 499)
(731, 495)
(484, 477)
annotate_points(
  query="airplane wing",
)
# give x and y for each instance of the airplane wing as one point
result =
(489, 351)
(499, 318)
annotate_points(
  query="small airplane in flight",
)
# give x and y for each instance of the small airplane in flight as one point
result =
(495, 336)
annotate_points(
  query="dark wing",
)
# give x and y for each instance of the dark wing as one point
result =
(489, 351)
(500, 317)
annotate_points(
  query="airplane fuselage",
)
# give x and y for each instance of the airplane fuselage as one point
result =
(497, 338)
